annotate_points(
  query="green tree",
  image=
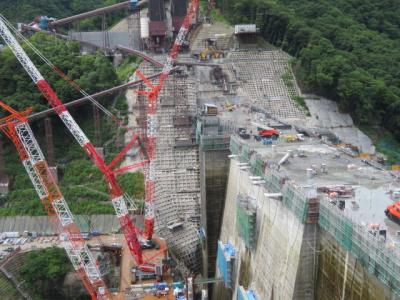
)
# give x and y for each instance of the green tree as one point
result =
(44, 270)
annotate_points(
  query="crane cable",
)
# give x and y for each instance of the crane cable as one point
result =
(63, 75)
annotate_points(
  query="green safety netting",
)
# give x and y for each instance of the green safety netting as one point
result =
(371, 252)
(257, 166)
(246, 224)
(217, 142)
(295, 201)
(245, 154)
(234, 146)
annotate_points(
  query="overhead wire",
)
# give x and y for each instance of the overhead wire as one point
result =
(62, 74)
(72, 82)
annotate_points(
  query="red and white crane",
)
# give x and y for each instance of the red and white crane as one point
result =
(152, 123)
(16, 128)
(116, 194)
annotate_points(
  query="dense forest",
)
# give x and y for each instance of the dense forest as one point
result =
(44, 270)
(347, 50)
(24, 11)
(81, 183)
(48, 268)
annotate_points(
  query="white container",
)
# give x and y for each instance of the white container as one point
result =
(11, 234)
(144, 28)
(245, 28)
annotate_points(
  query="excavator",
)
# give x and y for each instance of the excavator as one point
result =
(210, 52)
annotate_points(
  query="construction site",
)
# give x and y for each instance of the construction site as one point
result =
(248, 194)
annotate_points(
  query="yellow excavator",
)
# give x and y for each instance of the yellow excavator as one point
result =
(229, 106)
(210, 52)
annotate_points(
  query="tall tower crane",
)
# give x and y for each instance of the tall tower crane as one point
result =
(152, 96)
(16, 128)
(116, 194)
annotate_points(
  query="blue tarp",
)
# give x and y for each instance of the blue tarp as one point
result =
(225, 259)
(242, 294)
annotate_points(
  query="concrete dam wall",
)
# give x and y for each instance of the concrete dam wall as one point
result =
(291, 242)
(271, 264)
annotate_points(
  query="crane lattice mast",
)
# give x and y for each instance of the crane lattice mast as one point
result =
(16, 128)
(116, 194)
(152, 127)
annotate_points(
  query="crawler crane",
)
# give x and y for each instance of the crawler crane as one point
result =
(17, 129)
(152, 95)
(116, 194)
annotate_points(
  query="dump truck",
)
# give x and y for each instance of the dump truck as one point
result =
(268, 133)
(393, 212)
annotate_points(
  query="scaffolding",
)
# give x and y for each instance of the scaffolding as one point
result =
(304, 204)
(257, 165)
(268, 81)
(245, 154)
(273, 181)
(217, 142)
(375, 255)
(246, 220)
(295, 201)
(177, 191)
(378, 257)
(234, 146)
(211, 135)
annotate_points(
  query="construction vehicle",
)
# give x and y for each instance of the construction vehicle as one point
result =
(266, 131)
(229, 106)
(161, 289)
(293, 137)
(17, 129)
(116, 194)
(393, 212)
(210, 53)
(152, 94)
(264, 140)
(269, 133)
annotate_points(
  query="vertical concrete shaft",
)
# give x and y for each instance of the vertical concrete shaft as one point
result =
(214, 166)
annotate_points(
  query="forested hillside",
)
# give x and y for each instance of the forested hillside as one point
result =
(80, 181)
(25, 10)
(348, 50)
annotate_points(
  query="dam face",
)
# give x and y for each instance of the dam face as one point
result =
(283, 237)
(271, 264)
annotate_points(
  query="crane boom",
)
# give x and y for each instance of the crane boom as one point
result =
(152, 96)
(16, 127)
(115, 191)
